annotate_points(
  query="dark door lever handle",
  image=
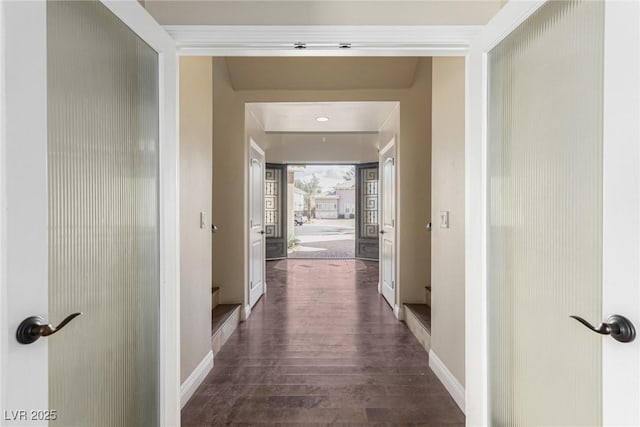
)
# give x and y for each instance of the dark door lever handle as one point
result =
(32, 328)
(619, 327)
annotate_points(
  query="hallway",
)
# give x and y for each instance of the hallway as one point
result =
(322, 347)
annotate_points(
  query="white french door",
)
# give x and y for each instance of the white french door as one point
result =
(257, 230)
(89, 217)
(388, 250)
(553, 215)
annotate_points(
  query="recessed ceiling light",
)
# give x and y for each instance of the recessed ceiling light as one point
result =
(322, 119)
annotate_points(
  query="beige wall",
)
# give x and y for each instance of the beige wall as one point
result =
(195, 197)
(322, 148)
(253, 130)
(229, 170)
(322, 12)
(230, 176)
(447, 244)
(413, 160)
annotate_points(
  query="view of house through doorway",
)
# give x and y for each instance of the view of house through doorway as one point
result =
(322, 211)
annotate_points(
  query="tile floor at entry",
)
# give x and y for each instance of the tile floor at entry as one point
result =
(322, 348)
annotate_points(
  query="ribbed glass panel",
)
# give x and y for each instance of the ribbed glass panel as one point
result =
(545, 234)
(103, 218)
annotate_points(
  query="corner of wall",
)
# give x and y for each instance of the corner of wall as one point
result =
(448, 193)
(195, 199)
(229, 170)
(414, 160)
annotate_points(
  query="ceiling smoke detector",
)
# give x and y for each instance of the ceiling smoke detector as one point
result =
(322, 119)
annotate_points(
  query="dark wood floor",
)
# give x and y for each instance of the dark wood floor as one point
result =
(321, 348)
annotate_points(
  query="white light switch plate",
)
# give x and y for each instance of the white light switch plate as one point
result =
(203, 220)
(444, 219)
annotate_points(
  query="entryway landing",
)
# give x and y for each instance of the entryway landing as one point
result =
(322, 346)
(418, 320)
(224, 321)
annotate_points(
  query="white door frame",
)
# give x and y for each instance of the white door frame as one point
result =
(323, 40)
(23, 117)
(270, 41)
(621, 252)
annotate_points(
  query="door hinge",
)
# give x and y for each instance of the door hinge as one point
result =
(393, 223)
(393, 284)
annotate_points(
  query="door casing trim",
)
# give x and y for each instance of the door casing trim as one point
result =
(323, 40)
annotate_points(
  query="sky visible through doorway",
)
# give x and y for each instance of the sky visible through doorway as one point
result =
(329, 175)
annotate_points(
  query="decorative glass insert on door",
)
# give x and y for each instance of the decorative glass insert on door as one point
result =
(367, 237)
(545, 212)
(103, 218)
(272, 214)
(274, 210)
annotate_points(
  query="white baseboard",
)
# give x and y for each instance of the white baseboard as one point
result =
(190, 385)
(246, 312)
(399, 312)
(450, 382)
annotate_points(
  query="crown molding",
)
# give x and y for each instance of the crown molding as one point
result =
(322, 40)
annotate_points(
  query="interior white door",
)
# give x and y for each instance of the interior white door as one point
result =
(88, 187)
(256, 224)
(388, 223)
(553, 230)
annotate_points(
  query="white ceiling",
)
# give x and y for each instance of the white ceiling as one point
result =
(323, 12)
(301, 116)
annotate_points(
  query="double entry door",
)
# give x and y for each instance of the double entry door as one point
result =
(276, 221)
(375, 229)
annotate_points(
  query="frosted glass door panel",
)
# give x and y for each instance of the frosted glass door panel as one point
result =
(545, 210)
(103, 218)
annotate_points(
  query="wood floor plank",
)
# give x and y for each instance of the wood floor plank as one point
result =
(321, 348)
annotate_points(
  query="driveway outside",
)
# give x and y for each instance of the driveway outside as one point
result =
(325, 238)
